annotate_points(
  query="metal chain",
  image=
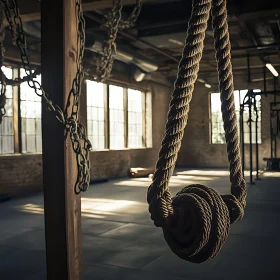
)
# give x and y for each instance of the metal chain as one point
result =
(113, 22)
(2, 54)
(73, 127)
(105, 64)
(2, 98)
(131, 20)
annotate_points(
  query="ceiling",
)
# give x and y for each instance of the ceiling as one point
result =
(158, 36)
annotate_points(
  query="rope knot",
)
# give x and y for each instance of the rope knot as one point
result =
(196, 221)
(200, 224)
(235, 207)
(160, 208)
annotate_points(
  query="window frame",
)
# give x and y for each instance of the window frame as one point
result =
(143, 118)
(125, 108)
(17, 129)
(105, 89)
(237, 110)
(17, 119)
(20, 120)
(13, 136)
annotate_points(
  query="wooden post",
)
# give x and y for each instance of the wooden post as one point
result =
(62, 206)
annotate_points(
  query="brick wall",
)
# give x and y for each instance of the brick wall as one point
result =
(197, 151)
(20, 174)
(116, 162)
(23, 173)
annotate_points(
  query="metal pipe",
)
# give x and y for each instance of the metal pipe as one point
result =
(249, 69)
(250, 138)
(275, 89)
(162, 24)
(275, 136)
(242, 136)
(125, 55)
(253, 48)
(240, 131)
(264, 79)
(257, 138)
(94, 44)
(271, 133)
(134, 38)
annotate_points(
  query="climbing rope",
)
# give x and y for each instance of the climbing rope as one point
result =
(114, 24)
(196, 221)
(80, 143)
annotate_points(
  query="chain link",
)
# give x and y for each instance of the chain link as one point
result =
(75, 129)
(130, 22)
(105, 64)
(113, 22)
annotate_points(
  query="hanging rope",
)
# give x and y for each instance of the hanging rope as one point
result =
(196, 221)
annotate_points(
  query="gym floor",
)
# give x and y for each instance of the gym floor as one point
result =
(121, 242)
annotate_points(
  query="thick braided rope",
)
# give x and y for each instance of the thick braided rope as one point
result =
(223, 57)
(158, 193)
(196, 221)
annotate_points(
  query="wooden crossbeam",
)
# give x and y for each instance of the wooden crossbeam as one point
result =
(31, 11)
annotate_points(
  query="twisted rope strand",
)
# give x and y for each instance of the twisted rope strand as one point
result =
(223, 57)
(179, 108)
(196, 221)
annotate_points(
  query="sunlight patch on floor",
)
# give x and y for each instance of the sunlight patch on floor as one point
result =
(92, 207)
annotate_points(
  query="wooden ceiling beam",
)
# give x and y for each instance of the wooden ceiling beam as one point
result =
(31, 11)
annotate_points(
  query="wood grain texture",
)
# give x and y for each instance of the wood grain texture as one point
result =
(62, 205)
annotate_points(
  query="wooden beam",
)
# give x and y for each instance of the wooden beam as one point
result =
(62, 206)
(31, 11)
(12, 54)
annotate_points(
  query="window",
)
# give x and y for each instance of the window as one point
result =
(116, 113)
(118, 117)
(135, 118)
(96, 114)
(217, 129)
(6, 127)
(246, 127)
(30, 112)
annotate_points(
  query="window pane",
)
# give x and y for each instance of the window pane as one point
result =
(116, 108)
(23, 143)
(135, 119)
(39, 144)
(95, 114)
(217, 130)
(37, 110)
(6, 127)
(38, 131)
(31, 143)
(7, 144)
(30, 126)
(31, 114)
